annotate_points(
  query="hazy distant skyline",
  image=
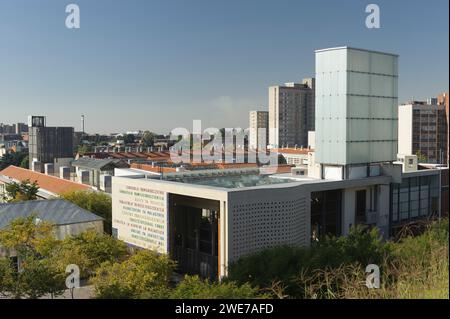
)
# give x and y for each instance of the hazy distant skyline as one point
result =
(159, 64)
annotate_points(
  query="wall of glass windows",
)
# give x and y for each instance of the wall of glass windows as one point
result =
(416, 197)
(326, 213)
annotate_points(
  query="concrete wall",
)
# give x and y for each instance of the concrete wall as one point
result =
(263, 218)
(405, 122)
(273, 116)
(75, 229)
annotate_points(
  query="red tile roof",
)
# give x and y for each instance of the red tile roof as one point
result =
(153, 169)
(52, 184)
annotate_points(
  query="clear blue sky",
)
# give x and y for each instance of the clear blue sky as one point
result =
(158, 64)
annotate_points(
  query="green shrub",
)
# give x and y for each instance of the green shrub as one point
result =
(414, 267)
(286, 266)
(192, 287)
(96, 202)
(145, 274)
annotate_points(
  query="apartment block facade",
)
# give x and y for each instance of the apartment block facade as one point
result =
(442, 99)
(291, 113)
(259, 129)
(423, 130)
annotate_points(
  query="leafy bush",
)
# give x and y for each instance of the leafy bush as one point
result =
(292, 267)
(89, 250)
(144, 274)
(95, 202)
(192, 287)
(414, 267)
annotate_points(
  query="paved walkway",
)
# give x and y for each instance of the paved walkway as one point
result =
(85, 292)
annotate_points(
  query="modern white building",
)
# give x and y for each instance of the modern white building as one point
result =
(259, 130)
(205, 220)
(356, 109)
(208, 219)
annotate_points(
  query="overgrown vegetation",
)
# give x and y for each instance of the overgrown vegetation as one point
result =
(147, 275)
(103, 260)
(96, 202)
(412, 267)
(43, 258)
(14, 158)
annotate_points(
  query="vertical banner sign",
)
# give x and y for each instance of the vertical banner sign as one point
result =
(140, 215)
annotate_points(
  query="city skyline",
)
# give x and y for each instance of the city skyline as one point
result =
(214, 64)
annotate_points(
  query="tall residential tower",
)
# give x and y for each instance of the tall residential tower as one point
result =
(259, 129)
(291, 113)
(422, 130)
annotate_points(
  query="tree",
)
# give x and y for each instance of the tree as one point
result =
(148, 138)
(13, 158)
(6, 276)
(95, 202)
(129, 139)
(38, 277)
(23, 191)
(32, 242)
(28, 237)
(89, 250)
(25, 162)
(83, 149)
(145, 273)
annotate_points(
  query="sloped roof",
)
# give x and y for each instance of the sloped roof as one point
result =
(98, 164)
(52, 184)
(56, 211)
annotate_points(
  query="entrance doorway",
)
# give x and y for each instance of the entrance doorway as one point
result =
(194, 235)
(326, 213)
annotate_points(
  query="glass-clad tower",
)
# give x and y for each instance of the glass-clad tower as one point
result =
(356, 110)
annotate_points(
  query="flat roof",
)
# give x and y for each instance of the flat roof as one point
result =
(232, 178)
(353, 48)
